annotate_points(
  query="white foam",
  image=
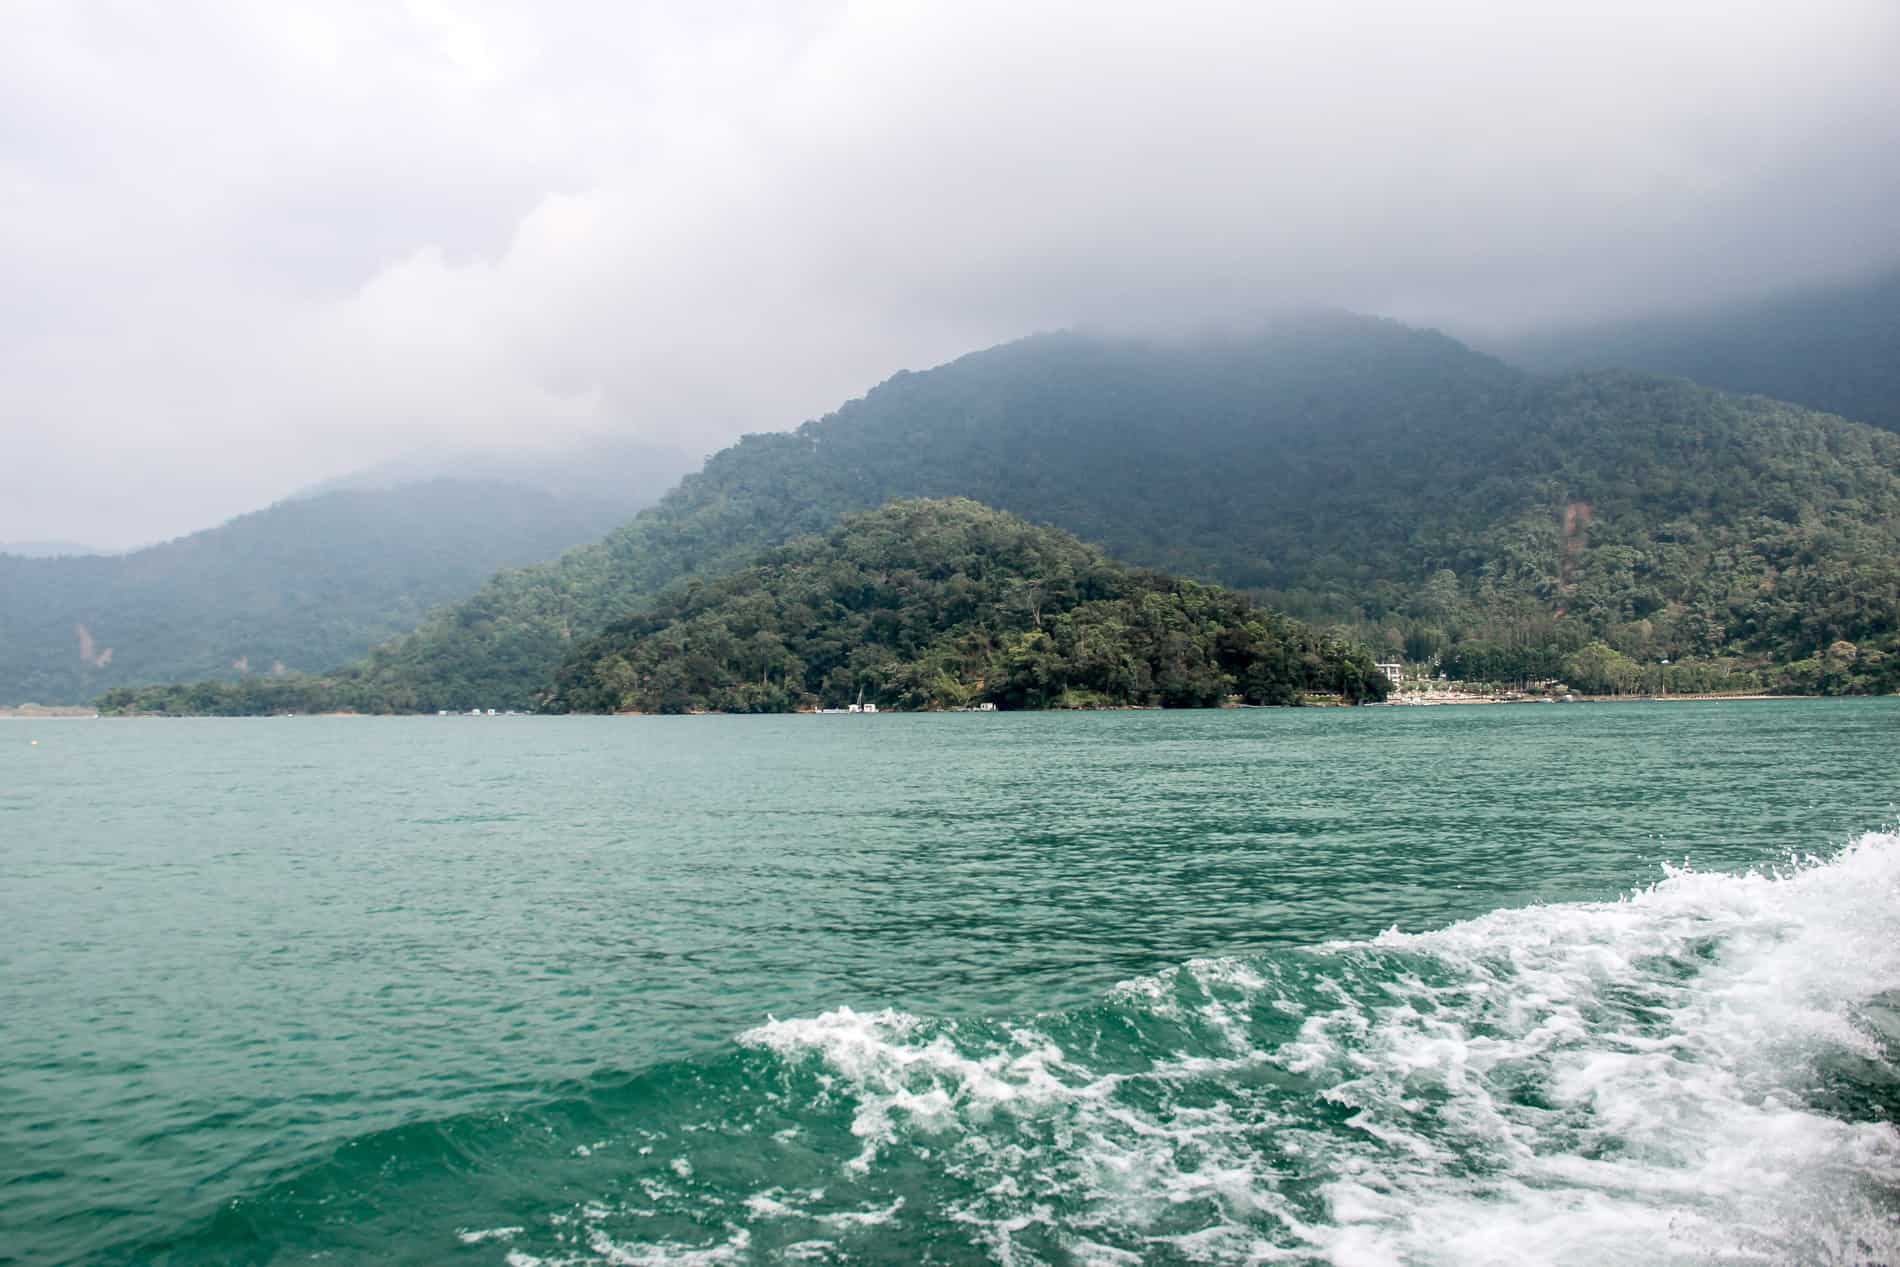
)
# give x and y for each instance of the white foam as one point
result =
(908, 1078)
(603, 1249)
(766, 1205)
(1628, 1081)
(874, 1217)
(477, 1236)
(931, 1085)
(1673, 1040)
(780, 1203)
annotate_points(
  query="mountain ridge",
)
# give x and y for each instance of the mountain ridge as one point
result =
(1834, 348)
(1345, 469)
(301, 584)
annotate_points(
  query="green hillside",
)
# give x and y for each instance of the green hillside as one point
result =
(946, 604)
(1343, 469)
(304, 585)
(1834, 348)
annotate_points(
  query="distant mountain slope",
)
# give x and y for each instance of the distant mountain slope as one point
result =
(619, 470)
(46, 549)
(1346, 468)
(1835, 349)
(306, 584)
(947, 603)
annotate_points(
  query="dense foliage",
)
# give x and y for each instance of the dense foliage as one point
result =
(251, 696)
(1835, 348)
(947, 604)
(1749, 543)
(1437, 502)
(304, 585)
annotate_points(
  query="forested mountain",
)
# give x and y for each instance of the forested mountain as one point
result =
(945, 604)
(306, 584)
(1834, 348)
(1344, 469)
(1155, 451)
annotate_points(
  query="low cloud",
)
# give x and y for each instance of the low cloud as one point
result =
(247, 247)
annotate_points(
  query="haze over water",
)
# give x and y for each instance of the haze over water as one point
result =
(1532, 984)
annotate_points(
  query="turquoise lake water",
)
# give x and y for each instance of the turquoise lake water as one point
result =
(1564, 984)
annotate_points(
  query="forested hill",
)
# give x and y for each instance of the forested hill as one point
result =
(1342, 468)
(1834, 348)
(305, 585)
(1156, 451)
(948, 604)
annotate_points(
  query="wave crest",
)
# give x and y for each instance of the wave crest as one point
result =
(1702, 1069)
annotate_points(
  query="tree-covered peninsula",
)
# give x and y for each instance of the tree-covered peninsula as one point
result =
(949, 604)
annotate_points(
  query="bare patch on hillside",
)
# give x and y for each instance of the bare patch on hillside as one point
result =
(88, 651)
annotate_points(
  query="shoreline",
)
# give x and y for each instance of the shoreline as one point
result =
(1434, 700)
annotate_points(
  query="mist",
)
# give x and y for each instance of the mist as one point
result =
(247, 249)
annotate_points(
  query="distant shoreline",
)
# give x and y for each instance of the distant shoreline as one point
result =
(1450, 698)
(1443, 700)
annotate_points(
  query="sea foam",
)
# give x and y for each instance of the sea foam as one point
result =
(1678, 1076)
(1639, 1081)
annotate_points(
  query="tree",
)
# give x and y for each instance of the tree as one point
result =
(1599, 669)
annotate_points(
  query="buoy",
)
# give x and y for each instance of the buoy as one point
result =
(36, 743)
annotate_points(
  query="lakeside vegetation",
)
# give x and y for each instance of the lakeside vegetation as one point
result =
(1387, 483)
(949, 604)
(920, 605)
(300, 693)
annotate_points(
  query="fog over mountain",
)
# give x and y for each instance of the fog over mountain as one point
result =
(246, 249)
(623, 472)
(46, 549)
(1835, 348)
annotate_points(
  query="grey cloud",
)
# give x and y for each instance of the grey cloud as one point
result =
(243, 248)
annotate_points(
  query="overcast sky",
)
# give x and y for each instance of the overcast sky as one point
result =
(246, 246)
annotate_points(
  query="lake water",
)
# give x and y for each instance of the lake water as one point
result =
(1566, 984)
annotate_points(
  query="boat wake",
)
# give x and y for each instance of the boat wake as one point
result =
(1707, 1070)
